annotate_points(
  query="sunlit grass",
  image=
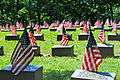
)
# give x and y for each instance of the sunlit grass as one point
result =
(61, 68)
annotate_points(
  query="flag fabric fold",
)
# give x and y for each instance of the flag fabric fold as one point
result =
(32, 37)
(65, 39)
(85, 28)
(101, 35)
(92, 56)
(22, 55)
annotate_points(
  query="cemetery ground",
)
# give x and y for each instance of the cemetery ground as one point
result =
(61, 68)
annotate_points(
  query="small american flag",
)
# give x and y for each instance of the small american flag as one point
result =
(64, 40)
(101, 35)
(38, 29)
(32, 37)
(85, 28)
(114, 27)
(92, 57)
(13, 29)
(22, 55)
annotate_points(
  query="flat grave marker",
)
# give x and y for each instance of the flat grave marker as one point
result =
(86, 75)
(30, 73)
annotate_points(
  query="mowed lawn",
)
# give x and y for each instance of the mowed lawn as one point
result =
(61, 68)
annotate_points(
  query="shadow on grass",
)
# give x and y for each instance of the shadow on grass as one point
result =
(58, 75)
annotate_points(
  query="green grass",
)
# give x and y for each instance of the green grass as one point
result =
(61, 68)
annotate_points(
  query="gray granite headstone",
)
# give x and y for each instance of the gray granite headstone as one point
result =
(70, 29)
(31, 72)
(97, 28)
(36, 50)
(107, 50)
(44, 27)
(39, 36)
(1, 51)
(22, 29)
(53, 29)
(83, 36)
(86, 75)
(108, 29)
(59, 50)
(113, 37)
(12, 37)
(92, 28)
(5, 30)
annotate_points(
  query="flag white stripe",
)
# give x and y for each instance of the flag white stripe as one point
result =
(92, 60)
(84, 65)
(88, 62)
(21, 57)
(98, 61)
(64, 42)
(15, 53)
(22, 66)
(19, 52)
(18, 64)
(23, 53)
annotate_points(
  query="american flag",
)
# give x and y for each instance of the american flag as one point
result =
(64, 40)
(92, 57)
(97, 23)
(13, 29)
(85, 28)
(22, 55)
(111, 22)
(38, 29)
(31, 37)
(101, 35)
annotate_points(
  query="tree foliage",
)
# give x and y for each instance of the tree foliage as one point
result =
(49, 10)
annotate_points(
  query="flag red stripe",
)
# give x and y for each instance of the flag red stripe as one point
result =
(101, 36)
(19, 68)
(15, 53)
(22, 55)
(64, 40)
(86, 63)
(91, 60)
(19, 61)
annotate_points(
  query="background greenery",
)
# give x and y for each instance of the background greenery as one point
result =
(49, 10)
(61, 68)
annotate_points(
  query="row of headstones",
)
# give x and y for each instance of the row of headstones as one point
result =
(36, 72)
(72, 29)
(81, 36)
(107, 50)
(16, 37)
